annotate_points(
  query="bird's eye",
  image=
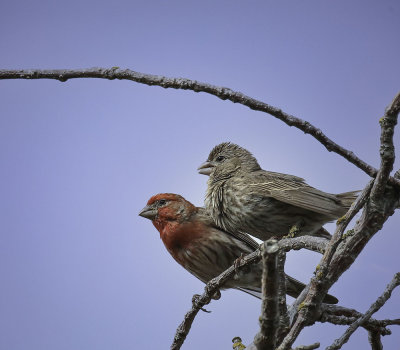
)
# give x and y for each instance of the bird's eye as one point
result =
(220, 158)
(162, 201)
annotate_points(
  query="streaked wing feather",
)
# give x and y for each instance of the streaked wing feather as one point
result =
(273, 174)
(294, 192)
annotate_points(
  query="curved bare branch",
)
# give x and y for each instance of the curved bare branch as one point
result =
(186, 84)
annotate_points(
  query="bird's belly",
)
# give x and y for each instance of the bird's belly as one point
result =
(203, 262)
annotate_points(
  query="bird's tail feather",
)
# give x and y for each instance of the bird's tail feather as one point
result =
(293, 288)
(347, 198)
(254, 293)
(322, 233)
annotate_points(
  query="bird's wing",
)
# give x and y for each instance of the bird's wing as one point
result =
(294, 191)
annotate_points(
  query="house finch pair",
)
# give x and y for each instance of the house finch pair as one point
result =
(241, 199)
(193, 240)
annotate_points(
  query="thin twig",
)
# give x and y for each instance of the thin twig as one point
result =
(269, 320)
(340, 315)
(186, 84)
(352, 313)
(308, 347)
(387, 151)
(338, 343)
(343, 316)
(347, 321)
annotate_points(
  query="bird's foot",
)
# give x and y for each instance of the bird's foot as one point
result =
(236, 264)
(217, 295)
(195, 299)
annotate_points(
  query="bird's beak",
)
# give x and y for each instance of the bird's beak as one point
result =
(148, 213)
(206, 168)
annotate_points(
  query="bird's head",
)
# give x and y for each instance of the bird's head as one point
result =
(228, 153)
(167, 207)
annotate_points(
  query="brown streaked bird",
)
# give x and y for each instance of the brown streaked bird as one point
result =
(242, 197)
(204, 250)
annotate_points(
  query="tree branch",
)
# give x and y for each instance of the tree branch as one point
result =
(301, 347)
(338, 343)
(340, 315)
(343, 316)
(308, 347)
(339, 256)
(283, 312)
(341, 225)
(316, 244)
(347, 321)
(387, 151)
(311, 300)
(374, 339)
(186, 84)
(269, 320)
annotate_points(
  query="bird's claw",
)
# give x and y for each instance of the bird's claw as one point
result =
(195, 299)
(217, 295)
(205, 310)
(236, 264)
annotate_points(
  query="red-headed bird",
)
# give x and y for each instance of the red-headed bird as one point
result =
(204, 250)
(241, 197)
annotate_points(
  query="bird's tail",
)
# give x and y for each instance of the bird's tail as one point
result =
(322, 233)
(293, 288)
(254, 293)
(347, 198)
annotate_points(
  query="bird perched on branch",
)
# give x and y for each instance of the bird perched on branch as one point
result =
(204, 250)
(241, 197)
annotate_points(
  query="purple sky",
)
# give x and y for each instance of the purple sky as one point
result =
(79, 269)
